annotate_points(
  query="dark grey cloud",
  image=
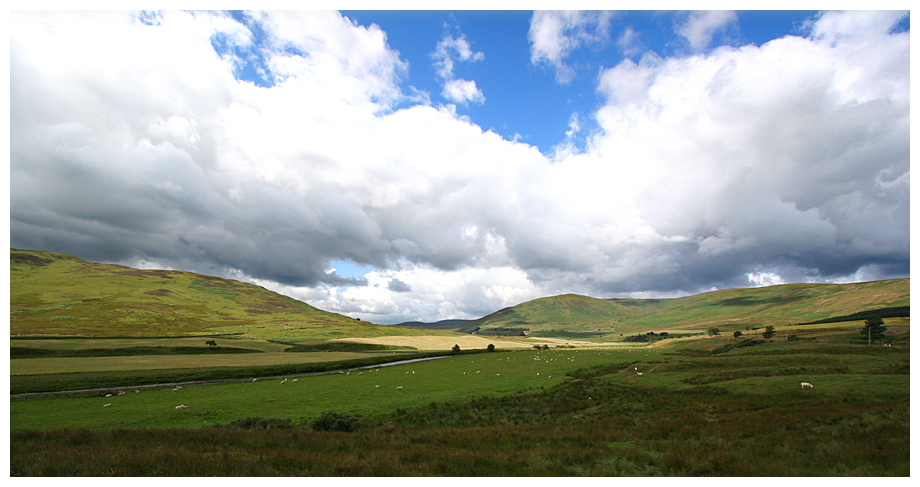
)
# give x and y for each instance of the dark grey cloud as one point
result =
(787, 162)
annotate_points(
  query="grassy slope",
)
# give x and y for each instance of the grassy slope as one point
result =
(729, 309)
(56, 294)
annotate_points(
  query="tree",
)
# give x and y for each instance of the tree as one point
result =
(211, 343)
(874, 329)
(770, 332)
(545, 347)
(491, 348)
(713, 331)
(737, 334)
(456, 349)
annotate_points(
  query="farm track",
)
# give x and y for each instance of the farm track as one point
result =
(220, 381)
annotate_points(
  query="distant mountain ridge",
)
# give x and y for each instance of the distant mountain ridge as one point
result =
(61, 295)
(781, 304)
(451, 325)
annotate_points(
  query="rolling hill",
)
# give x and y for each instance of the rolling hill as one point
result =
(728, 309)
(60, 295)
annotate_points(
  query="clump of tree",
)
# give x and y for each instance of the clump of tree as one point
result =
(769, 332)
(713, 331)
(503, 331)
(875, 328)
(490, 348)
(456, 349)
(648, 337)
(737, 334)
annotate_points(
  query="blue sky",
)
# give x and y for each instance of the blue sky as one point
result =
(427, 165)
(508, 79)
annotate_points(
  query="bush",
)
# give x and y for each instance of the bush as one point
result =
(330, 421)
(261, 423)
(456, 349)
(491, 348)
(770, 332)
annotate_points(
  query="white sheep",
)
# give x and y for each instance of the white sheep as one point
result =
(295, 380)
(398, 388)
(182, 406)
(806, 384)
(106, 405)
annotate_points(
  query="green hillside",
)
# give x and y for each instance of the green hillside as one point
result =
(728, 309)
(56, 294)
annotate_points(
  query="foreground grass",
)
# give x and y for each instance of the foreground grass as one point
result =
(596, 426)
(691, 413)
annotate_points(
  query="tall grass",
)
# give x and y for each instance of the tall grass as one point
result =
(601, 420)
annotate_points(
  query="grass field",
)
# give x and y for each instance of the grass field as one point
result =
(738, 413)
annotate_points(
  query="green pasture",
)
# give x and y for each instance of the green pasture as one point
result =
(455, 378)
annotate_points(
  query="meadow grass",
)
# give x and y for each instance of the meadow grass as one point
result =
(602, 419)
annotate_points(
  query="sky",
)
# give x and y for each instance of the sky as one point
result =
(426, 165)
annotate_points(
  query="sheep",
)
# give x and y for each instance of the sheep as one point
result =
(108, 395)
(398, 388)
(121, 393)
(639, 373)
(254, 380)
(295, 380)
(378, 387)
(807, 385)
(137, 391)
(106, 405)
(182, 406)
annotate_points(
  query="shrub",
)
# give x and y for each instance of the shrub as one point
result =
(330, 421)
(737, 334)
(261, 423)
(770, 332)
(456, 349)
(491, 348)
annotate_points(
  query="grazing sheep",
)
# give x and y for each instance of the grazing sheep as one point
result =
(807, 385)
(121, 393)
(136, 391)
(639, 373)
(295, 380)
(359, 373)
(550, 377)
(253, 380)
(182, 406)
(399, 388)
(108, 395)
(378, 387)
(106, 405)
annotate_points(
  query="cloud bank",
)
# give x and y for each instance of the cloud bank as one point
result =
(132, 141)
